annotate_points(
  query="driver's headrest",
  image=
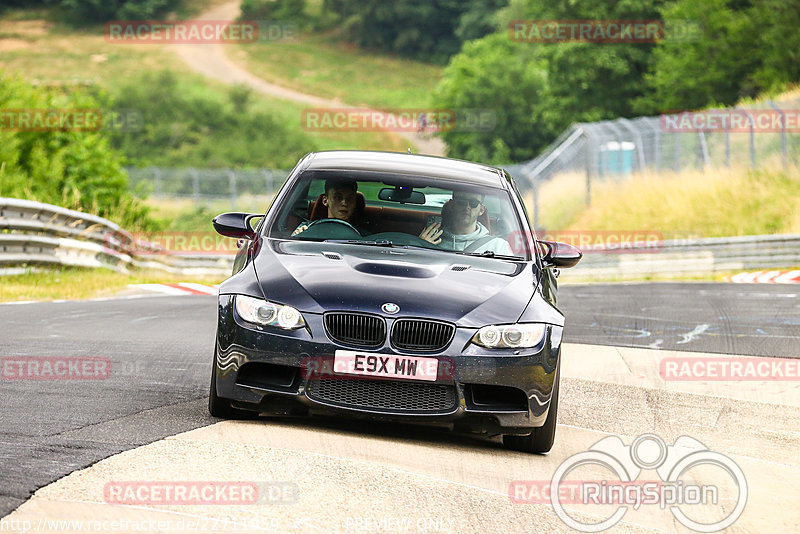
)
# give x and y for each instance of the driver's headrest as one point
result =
(320, 211)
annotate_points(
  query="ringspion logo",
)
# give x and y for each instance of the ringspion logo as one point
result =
(678, 487)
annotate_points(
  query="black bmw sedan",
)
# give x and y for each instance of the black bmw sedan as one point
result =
(397, 287)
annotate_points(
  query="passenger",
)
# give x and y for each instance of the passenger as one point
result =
(460, 229)
(341, 200)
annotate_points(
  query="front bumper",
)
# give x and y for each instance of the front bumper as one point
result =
(495, 391)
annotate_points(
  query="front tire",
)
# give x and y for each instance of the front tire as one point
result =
(541, 439)
(219, 407)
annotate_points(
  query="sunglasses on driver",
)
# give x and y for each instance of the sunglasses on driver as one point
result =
(473, 202)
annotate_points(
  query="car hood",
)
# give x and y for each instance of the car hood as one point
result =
(317, 277)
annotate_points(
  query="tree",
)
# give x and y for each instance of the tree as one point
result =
(430, 30)
(713, 69)
(778, 43)
(538, 89)
(508, 79)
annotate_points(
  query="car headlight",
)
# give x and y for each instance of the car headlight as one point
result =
(263, 312)
(510, 336)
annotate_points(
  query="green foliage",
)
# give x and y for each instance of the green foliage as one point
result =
(182, 125)
(283, 10)
(75, 169)
(538, 89)
(509, 79)
(422, 29)
(745, 48)
(712, 69)
(778, 42)
(93, 11)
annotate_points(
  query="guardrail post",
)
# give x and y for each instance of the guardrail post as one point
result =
(784, 154)
(752, 138)
(270, 181)
(157, 178)
(703, 148)
(195, 185)
(728, 146)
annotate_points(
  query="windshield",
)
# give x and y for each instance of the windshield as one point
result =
(402, 211)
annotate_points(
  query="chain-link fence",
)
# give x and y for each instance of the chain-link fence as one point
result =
(204, 185)
(763, 134)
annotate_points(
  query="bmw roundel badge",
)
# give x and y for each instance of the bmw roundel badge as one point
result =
(390, 307)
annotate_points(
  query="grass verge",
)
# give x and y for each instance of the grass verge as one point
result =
(716, 203)
(79, 283)
(324, 67)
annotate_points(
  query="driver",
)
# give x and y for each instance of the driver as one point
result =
(462, 230)
(340, 199)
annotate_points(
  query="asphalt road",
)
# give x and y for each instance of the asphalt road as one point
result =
(746, 319)
(160, 354)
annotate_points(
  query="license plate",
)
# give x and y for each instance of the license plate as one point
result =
(385, 365)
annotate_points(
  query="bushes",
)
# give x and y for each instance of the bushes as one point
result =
(75, 169)
(95, 11)
(185, 125)
(283, 10)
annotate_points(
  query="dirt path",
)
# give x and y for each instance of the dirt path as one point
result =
(211, 61)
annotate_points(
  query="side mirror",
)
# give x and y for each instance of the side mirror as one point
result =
(560, 254)
(236, 225)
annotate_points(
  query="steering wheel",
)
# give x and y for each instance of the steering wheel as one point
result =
(340, 229)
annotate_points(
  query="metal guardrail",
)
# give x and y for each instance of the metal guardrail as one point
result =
(680, 258)
(34, 233)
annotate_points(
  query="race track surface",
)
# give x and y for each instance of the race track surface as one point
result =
(160, 352)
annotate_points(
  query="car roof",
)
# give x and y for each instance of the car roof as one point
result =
(409, 164)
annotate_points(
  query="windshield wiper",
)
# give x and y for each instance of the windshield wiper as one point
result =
(381, 243)
(492, 254)
(359, 242)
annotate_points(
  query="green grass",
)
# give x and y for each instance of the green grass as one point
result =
(721, 202)
(78, 283)
(321, 66)
(52, 54)
(718, 202)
